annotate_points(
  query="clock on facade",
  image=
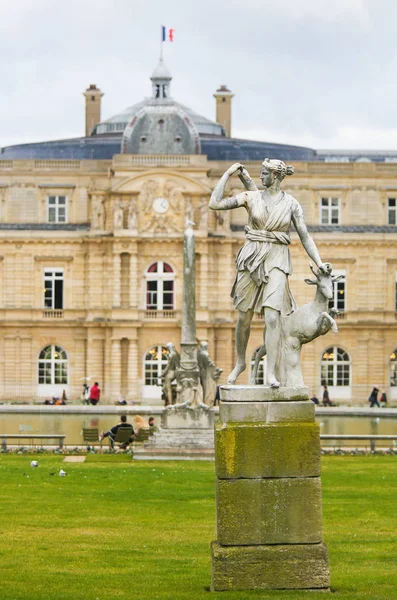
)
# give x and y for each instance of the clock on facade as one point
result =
(160, 205)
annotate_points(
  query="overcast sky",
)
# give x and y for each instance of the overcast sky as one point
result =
(319, 73)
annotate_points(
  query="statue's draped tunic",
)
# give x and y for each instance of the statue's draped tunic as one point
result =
(264, 262)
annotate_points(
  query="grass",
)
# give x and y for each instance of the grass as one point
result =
(113, 529)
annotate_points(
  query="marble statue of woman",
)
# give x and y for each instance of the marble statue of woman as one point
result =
(263, 263)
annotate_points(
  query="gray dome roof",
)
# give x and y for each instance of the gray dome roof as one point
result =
(161, 129)
(161, 79)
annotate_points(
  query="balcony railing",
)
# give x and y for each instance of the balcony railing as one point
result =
(160, 314)
(53, 314)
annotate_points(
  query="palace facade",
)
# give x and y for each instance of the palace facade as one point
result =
(91, 253)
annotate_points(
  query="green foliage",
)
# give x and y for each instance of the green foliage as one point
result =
(116, 528)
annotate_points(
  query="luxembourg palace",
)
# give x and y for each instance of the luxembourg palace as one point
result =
(91, 252)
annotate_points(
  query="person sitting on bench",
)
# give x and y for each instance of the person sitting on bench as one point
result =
(111, 433)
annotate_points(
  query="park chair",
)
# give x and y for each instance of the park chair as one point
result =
(122, 436)
(143, 435)
(91, 436)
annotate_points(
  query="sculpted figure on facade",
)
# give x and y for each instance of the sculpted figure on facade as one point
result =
(203, 209)
(169, 373)
(98, 213)
(263, 263)
(209, 374)
(118, 214)
(132, 214)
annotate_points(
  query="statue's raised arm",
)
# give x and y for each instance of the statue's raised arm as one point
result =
(218, 202)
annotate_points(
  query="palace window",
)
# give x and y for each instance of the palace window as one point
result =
(330, 211)
(392, 211)
(56, 209)
(156, 360)
(53, 366)
(53, 288)
(393, 368)
(335, 367)
(160, 280)
(261, 373)
(339, 299)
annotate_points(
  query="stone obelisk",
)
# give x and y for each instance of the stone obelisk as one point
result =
(189, 412)
(189, 370)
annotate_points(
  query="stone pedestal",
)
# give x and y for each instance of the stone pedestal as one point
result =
(186, 433)
(269, 534)
(188, 418)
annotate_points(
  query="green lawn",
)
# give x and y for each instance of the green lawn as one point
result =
(131, 530)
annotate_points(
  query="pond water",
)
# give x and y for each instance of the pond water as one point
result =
(71, 425)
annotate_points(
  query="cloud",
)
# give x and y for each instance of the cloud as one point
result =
(304, 70)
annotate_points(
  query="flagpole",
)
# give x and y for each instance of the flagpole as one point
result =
(161, 44)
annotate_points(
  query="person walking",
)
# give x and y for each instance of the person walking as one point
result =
(95, 394)
(373, 398)
(326, 400)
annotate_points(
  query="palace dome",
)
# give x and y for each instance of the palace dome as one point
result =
(161, 83)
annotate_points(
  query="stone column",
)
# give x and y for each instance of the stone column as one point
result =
(116, 280)
(204, 280)
(134, 391)
(134, 287)
(269, 519)
(116, 370)
(188, 373)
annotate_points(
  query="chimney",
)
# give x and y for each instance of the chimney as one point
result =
(223, 98)
(93, 97)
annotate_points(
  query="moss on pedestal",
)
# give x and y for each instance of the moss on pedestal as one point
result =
(253, 450)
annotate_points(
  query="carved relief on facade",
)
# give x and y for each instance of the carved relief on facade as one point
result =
(161, 207)
(133, 214)
(118, 214)
(97, 212)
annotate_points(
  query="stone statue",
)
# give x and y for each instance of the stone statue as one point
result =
(132, 215)
(209, 374)
(170, 371)
(98, 213)
(118, 215)
(263, 263)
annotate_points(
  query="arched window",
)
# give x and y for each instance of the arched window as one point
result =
(160, 287)
(393, 368)
(156, 360)
(261, 373)
(53, 366)
(335, 367)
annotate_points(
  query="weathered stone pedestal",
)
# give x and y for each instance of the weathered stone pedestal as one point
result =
(269, 534)
(184, 434)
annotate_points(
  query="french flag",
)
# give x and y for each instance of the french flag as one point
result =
(167, 35)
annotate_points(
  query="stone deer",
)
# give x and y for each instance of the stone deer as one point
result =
(302, 326)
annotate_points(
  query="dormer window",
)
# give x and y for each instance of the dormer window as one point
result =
(56, 209)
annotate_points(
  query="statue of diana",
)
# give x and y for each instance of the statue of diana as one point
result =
(264, 263)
